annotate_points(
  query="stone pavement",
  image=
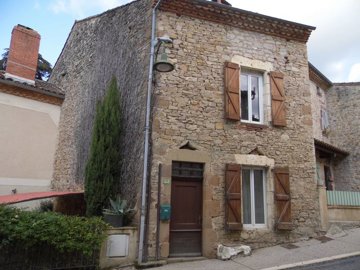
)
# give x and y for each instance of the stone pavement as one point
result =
(336, 244)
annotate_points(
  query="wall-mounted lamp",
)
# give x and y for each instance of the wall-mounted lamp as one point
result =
(162, 63)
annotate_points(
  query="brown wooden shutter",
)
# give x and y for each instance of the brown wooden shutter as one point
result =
(232, 88)
(233, 197)
(277, 99)
(282, 199)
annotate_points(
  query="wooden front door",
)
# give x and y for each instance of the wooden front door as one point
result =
(186, 213)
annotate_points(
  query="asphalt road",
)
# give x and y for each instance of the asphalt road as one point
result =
(352, 263)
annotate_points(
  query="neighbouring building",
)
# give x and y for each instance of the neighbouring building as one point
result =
(29, 118)
(232, 127)
(335, 115)
(344, 116)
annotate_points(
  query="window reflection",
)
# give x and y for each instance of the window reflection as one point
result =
(244, 97)
(255, 99)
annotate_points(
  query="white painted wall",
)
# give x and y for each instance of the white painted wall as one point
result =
(28, 134)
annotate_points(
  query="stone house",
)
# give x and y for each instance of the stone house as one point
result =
(335, 115)
(231, 131)
(29, 117)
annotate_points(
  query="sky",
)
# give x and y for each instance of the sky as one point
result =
(333, 48)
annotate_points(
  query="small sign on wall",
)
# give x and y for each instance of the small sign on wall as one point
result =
(166, 181)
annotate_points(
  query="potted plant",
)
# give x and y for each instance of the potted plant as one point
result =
(115, 214)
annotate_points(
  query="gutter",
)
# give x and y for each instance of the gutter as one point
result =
(146, 137)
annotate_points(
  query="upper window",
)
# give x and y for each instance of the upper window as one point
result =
(253, 195)
(324, 121)
(318, 91)
(251, 97)
(244, 96)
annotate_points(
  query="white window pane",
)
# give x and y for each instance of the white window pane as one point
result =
(255, 99)
(246, 196)
(259, 197)
(244, 97)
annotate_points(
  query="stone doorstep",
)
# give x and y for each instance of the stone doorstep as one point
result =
(185, 259)
(151, 264)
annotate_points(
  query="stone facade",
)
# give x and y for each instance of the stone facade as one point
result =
(189, 106)
(115, 43)
(343, 103)
(318, 104)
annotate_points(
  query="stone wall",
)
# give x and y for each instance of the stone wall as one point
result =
(189, 106)
(343, 103)
(116, 42)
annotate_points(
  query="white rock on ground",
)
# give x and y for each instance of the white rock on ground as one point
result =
(225, 253)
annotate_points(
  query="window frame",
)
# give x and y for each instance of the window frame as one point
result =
(260, 76)
(254, 225)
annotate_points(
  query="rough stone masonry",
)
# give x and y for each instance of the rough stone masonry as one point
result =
(189, 106)
(114, 43)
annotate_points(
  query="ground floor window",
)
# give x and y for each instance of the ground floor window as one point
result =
(254, 198)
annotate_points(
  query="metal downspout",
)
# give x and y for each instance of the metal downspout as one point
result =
(146, 139)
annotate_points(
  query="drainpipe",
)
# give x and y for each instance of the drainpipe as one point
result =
(146, 140)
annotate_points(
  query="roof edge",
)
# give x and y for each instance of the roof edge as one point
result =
(347, 84)
(63, 48)
(107, 11)
(32, 89)
(329, 147)
(317, 77)
(247, 20)
(260, 14)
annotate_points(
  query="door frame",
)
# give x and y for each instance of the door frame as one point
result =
(177, 174)
(185, 155)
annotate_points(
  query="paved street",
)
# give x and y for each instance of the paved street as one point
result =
(334, 246)
(352, 263)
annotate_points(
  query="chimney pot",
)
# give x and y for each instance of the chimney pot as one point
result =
(23, 54)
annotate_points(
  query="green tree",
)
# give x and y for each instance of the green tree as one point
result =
(102, 172)
(43, 70)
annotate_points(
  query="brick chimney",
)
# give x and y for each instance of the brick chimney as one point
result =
(23, 54)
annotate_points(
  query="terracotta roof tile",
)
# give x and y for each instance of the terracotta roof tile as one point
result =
(24, 197)
(43, 87)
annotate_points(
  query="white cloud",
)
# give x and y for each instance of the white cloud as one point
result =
(354, 75)
(58, 6)
(37, 5)
(82, 8)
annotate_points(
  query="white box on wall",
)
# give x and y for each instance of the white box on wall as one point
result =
(117, 245)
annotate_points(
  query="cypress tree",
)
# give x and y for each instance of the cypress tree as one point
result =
(102, 172)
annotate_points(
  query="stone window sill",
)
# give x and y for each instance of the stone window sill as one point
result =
(251, 126)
